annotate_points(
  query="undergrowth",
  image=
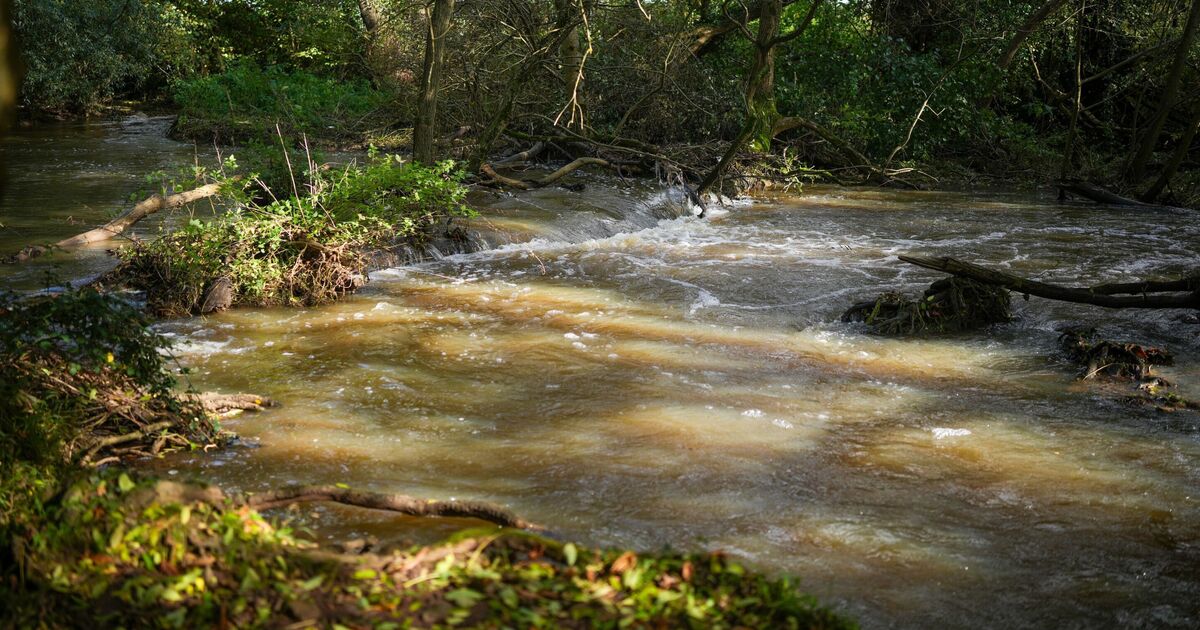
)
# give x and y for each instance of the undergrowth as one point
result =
(119, 552)
(304, 246)
(247, 101)
(83, 379)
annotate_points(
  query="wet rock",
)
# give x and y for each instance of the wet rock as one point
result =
(218, 296)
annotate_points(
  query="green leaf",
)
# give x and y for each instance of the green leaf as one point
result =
(570, 553)
(464, 597)
(125, 483)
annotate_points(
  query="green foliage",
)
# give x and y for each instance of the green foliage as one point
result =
(247, 101)
(117, 552)
(79, 55)
(306, 249)
(323, 37)
(73, 337)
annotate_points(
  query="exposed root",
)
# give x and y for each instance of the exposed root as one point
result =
(1117, 359)
(948, 305)
(400, 503)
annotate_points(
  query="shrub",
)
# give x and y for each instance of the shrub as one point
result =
(246, 101)
(307, 249)
(76, 368)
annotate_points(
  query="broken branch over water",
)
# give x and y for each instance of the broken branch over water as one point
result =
(1108, 295)
(148, 206)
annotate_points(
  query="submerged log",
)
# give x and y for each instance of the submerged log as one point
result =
(1107, 295)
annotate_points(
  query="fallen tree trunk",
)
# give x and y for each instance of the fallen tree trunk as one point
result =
(148, 206)
(399, 503)
(1096, 193)
(542, 182)
(1104, 295)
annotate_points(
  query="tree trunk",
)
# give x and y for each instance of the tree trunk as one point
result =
(8, 67)
(1137, 168)
(761, 113)
(1181, 151)
(438, 23)
(370, 16)
(1026, 29)
(570, 51)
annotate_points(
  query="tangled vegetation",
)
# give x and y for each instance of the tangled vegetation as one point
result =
(83, 381)
(308, 246)
(1121, 362)
(82, 355)
(948, 305)
(1085, 348)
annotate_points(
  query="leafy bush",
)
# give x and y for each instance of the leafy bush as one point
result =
(75, 368)
(246, 101)
(81, 54)
(306, 249)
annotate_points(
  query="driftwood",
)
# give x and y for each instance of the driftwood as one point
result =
(148, 206)
(522, 156)
(223, 404)
(542, 182)
(1125, 295)
(399, 503)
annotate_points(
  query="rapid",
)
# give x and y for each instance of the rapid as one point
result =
(633, 376)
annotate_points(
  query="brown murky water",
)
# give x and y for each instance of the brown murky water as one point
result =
(636, 379)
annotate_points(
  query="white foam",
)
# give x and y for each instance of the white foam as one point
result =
(941, 433)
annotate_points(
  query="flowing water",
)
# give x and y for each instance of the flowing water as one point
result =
(635, 378)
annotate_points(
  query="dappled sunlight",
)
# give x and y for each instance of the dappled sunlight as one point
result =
(688, 385)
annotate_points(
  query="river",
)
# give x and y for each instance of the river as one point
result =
(632, 377)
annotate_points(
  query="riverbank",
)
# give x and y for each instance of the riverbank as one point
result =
(892, 476)
(85, 387)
